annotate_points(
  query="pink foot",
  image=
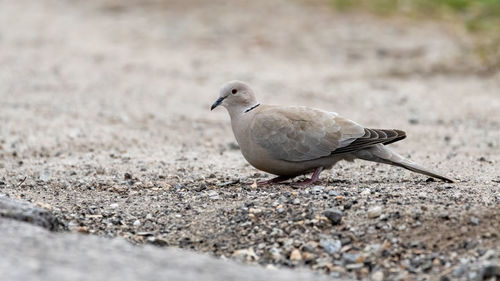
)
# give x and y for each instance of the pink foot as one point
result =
(313, 179)
(273, 180)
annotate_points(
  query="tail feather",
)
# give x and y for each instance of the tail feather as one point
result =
(380, 153)
(419, 169)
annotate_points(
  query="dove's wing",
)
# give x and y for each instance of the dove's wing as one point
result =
(300, 133)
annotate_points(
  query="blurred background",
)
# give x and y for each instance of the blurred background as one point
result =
(155, 66)
(478, 18)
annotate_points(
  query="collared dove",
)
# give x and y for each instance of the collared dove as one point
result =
(289, 141)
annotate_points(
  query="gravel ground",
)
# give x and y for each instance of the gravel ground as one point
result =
(105, 121)
(35, 254)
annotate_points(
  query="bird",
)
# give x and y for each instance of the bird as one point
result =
(290, 141)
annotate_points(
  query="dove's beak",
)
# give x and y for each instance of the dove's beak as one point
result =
(217, 103)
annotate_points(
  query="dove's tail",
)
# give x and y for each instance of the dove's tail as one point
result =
(380, 153)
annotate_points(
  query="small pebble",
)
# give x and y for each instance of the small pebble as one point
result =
(255, 211)
(334, 215)
(275, 254)
(490, 254)
(422, 196)
(333, 193)
(474, 221)
(336, 269)
(374, 212)
(354, 266)
(350, 257)
(460, 270)
(444, 278)
(331, 246)
(444, 215)
(201, 187)
(378, 276)
(245, 255)
(295, 255)
(317, 189)
(213, 195)
(490, 271)
(308, 256)
(365, 192)
(310, 246)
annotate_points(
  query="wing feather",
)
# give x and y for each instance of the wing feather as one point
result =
(301, 133)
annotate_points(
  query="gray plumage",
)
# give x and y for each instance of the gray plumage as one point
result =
(291, 141)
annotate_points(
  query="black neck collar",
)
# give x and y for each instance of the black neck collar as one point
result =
(252, 107)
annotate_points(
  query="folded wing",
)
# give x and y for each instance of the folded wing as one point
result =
(300, 133)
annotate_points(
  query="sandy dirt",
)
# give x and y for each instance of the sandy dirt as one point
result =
(104, 119)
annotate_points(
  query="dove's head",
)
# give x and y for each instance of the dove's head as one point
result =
(235, 96)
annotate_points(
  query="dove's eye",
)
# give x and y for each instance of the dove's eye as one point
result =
(234, 91)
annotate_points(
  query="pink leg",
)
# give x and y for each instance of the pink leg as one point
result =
(313, 178)
(274, 180)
